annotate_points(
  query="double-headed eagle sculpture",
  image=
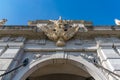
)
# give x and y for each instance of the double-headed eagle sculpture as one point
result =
(60, 32)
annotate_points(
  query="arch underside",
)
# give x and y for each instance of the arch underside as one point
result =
(62, 70)
(59, 77)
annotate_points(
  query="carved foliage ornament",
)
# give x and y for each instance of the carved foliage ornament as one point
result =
(60, 31)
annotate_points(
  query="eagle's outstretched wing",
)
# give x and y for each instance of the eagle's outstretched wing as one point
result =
(70, 32)
(48, 31)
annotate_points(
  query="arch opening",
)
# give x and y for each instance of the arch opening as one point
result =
(60, 69)
(60, 77)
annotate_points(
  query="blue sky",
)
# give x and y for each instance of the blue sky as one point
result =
(100, 12)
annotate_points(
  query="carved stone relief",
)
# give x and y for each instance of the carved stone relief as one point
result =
(61, 31)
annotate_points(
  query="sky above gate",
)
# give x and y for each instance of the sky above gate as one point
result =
(100, 12)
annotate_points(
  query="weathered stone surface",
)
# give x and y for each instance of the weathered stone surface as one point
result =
(5, 63)
(108, 53)
(1, 72)
(10, 53)
(114, 64)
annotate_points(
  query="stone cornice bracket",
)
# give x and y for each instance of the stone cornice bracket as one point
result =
(3, 21)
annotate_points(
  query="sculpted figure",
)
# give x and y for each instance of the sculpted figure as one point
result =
(3, 21)
(117, 22)
(60, 32)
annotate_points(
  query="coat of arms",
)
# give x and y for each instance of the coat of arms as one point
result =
(60, 32)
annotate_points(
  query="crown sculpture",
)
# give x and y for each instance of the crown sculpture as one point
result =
(60, 32)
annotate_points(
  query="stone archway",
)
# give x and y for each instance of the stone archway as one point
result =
(60, 69)
(76, 61)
